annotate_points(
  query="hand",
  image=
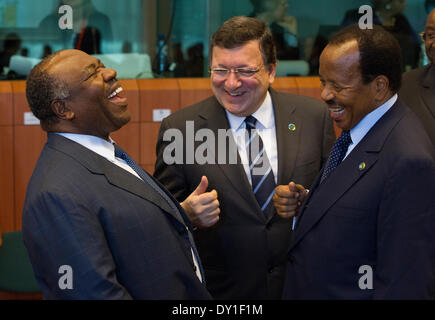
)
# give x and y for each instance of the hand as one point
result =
(202, 207)
(288, 198)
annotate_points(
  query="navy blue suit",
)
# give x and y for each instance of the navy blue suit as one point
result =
(376, 209)
(120, 237)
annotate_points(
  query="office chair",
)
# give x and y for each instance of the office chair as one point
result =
(16, 273)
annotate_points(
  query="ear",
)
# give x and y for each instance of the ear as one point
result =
(381, 86)
(61, 109)
(272, 72)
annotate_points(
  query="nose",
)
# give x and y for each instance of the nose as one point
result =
(109, 74)
(233, 81)
(326, 94)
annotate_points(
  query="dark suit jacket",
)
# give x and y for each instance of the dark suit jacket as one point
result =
(418, 91)
(380, 215)
(120, 237)
(244, 253)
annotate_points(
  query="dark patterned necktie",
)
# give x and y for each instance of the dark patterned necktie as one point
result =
(263, 181)
(337, 154)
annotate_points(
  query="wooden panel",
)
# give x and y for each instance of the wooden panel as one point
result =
(28, 144)
(20, 101)
(20, 296)
(7, 212)
(309, 86)
(158, 94)
(128, 137)
(131, 90)
(148, 132)
(286, 84)
(193, 90)
(6, 107)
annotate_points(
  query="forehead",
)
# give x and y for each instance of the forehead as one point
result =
(430, 22)
(342, 59)
(72, 64)
(247, 53)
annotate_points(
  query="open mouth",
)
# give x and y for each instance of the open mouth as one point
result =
(114, 93)
(337, 111)
(234, 94)
(117, 97)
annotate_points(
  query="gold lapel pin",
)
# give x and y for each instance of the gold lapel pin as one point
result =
(292, 127)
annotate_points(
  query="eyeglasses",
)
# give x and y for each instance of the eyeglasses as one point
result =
(427, 36)
(222, 73)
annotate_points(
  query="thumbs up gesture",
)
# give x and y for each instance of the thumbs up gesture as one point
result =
(201, 206)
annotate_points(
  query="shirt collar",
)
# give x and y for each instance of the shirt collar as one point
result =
(98, 145)
(264, 116)
(360, 130)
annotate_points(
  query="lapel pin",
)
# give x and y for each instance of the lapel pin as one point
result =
(292, 127)
(362, 166)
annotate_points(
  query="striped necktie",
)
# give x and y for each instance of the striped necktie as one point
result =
(263, 181)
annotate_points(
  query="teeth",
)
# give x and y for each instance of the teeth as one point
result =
(337, 110)
(114, 93)
(234, 94)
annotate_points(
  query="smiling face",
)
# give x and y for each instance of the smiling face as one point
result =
(430, 36)
(347, 97)
(241, 96)
(96, 105)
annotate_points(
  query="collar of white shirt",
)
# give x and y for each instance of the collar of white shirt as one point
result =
(264, 116)
(358, 132)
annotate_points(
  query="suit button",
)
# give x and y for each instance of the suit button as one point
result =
(271, 269)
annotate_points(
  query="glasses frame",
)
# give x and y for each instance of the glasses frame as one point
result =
(237, 71)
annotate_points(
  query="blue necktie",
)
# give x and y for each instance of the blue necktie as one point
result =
(120, 153)
(337, 154)
(263, 181)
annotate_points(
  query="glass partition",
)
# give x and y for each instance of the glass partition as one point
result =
(169, 38)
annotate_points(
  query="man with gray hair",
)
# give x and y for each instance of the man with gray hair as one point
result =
(418, 86)
(95, 224)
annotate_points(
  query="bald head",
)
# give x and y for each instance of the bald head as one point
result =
(430, 36)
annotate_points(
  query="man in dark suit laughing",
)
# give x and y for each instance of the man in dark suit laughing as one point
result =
(95, 224)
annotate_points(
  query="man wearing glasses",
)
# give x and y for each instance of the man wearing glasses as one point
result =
(241, 240)
(418, 86)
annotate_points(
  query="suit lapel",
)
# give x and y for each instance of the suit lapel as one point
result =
(428, 89)
(215, 118)
(354, 167)
(114, 174)
(286, 139)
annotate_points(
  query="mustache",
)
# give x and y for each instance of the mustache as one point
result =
(330, 102)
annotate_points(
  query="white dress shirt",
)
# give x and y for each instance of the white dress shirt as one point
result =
(358, 132)
(266, 129)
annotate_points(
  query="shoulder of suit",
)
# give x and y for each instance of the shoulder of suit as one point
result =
(410, 76)
(299, 102)
(191, 112)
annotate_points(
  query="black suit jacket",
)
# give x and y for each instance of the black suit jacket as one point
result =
(376, 210)
(418, 91)
(244, 253)
(119, 236)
